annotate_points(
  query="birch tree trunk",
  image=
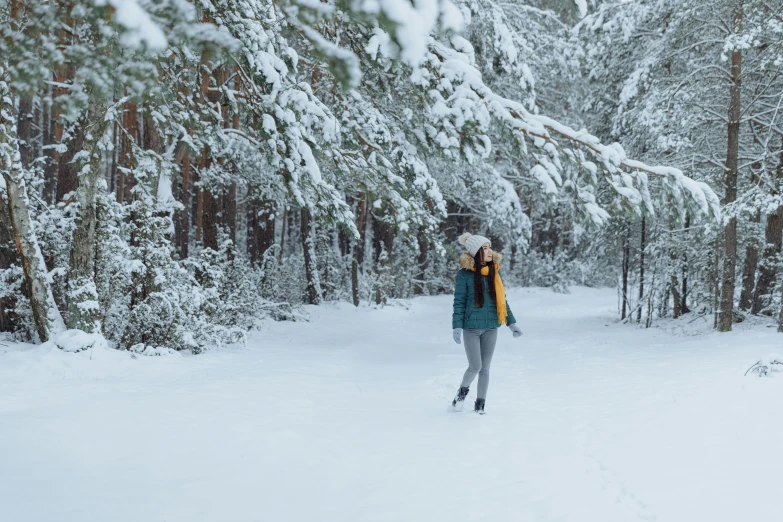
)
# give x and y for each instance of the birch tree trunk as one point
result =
(83, 307)
(46, 316)
(728, 278)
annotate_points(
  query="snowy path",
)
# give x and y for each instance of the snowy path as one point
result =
(344, 419)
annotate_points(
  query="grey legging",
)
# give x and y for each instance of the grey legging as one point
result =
(479, 347)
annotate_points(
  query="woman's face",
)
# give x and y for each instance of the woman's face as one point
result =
(487, 253)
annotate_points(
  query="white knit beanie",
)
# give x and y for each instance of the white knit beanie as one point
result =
(472, 243)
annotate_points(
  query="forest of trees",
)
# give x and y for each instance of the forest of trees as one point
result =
(175, 170)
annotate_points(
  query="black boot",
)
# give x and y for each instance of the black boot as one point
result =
(459, 400)
(479, 407)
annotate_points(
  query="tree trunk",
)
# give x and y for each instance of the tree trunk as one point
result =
(230, 206)
(67, 178)
(50, 167)
(46, 317)
(780, 320)
(355, 279)
(313, 290)
(64, 73)
(210, 210)
(358, 251)
(641, 271)
(773, 235)
(230, 212)
(383, 238)
(283, 231)
(684, 293)
(201, 197)
(252, 220)
(419, 286)
(676, 308)
(260, 228)
(129, 138)
(8, 258)
(626, 265)
(768, 268)
(715, 291)
(25, 131)
(749, 272)
(730, 186)
(111, 175)
(184, 215)
(674, 287)
(83, 308)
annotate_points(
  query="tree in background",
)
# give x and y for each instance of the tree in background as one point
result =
(190, 168)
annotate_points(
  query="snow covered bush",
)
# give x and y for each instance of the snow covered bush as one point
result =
(767, 366)
(15, 315)
(78, 341)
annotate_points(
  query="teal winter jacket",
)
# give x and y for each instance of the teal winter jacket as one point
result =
(466, 314)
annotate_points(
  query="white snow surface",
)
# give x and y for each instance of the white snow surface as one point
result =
(344, 418)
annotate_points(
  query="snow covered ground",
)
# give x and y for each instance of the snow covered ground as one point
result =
(344, 419)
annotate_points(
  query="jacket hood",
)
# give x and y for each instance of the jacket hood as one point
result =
(466, 260)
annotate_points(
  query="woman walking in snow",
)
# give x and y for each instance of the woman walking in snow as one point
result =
(478, 289)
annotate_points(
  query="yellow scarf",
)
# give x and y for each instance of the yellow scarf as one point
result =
(500, 293)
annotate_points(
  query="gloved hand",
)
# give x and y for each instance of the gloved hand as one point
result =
(516, 330)
(457, 334)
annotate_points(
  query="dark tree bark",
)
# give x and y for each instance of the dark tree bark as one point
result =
(780, 320)
(260, 228)
(773, 235)
(313, 289)
(626, 265)
(184, 214)
(284, 231)
(230, 212)
(67, 179)
(383, 237)
(64, 74)
(749, 272)
(677, 305)
(25, 131)
(129, 138)
(202, 197)
(265, 230)
(418, 287)
(725, 316)
(684, 293)
(252, 208)
(358, 251)
(8, 257)
(768, 269)
(50, 167)
(684, 279)
(641, 270)
(716, 286)
(210, 210)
